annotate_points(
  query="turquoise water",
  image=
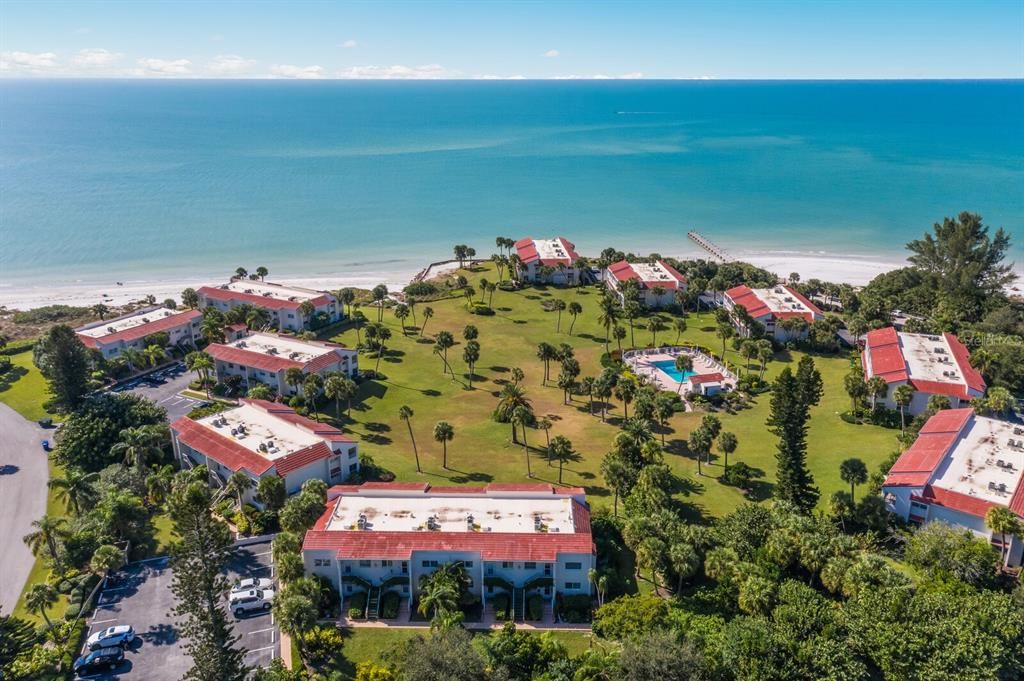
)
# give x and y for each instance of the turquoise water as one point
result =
(669, 367)
(146, 179)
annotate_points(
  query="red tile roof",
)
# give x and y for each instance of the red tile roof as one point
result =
(757, 308)
(260, 360)
(697, 379)
(539, 546)
(624, 271)
(917, 464)
(256, 300)
(142, 330)
(882, 346)
(526, 249)
(286, 413)
(964, 503)
(974, 379)
(303, 457)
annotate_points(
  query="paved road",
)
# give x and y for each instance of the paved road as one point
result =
(166, 394)
(23, 476)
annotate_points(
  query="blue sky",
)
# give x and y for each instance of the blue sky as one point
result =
(767, 39)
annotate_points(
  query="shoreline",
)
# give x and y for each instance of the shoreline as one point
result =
(827, 267)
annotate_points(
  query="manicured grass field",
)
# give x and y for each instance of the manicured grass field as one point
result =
(482, 451)
(23, 388)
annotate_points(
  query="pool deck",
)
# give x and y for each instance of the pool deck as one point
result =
(642, 362)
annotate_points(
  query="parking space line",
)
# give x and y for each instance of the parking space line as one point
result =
(104, 621)
(265, 553)
(115, 588)
(260, 631)
(258, 650)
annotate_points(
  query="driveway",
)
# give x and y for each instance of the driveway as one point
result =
(140, 595)
(23, 476)
(166, 393)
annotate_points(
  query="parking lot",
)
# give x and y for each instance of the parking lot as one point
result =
(163, 387)
(140, 595)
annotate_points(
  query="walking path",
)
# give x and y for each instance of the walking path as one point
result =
(23, 476)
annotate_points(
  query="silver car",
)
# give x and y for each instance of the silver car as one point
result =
(242, 602)
(121, 635)
(252, 583)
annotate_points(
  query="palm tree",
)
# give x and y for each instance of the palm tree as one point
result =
(558, 306)
(428, 313)
(521, 417)
(511, 397)
(212, 327)
(748, 351)
(625, 390)
(545, 424)
(545, 353)
(679, 324)
(49, 530)
(40, 598)
(725, 331)
(765, 354)
(100, 310)
(903, 396)
(237, 484)
(401, 314)
(241, 273)
(684, 363)
(133, 358)
(727, 444)
(617, 475)
(154, 355)
(471, 355)
(654, 325)
(293, 376)
(159, 484)
(257, 318)
(854, 472)
(648, 554)
(560, 449)
(685, 561)
(262, 272)
(306, 311)
(631, 310)
(586, 387)
(608, 318)
(877, 387)
(383, 336)
(438, 596)
(311, 387)
(405, 413)
(138, 445)
(619, 333)
(202, 364)
(442, 342)
(444, 433)
(1004, 522)
(76, 489)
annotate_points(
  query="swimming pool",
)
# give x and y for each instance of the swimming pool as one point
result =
(668, 367)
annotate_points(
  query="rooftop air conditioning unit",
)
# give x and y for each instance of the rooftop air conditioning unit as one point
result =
(145, 320)
(267, 294)
(224, 287)
(110, 329)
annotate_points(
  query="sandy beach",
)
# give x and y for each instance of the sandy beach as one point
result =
(852, 270)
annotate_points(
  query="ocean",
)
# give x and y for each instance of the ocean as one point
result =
(164, 180)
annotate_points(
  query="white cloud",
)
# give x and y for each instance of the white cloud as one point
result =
(349, 44)
(551, 53)
(95, 57)
(27, 62)
(300, 72)
(396, 72)
(229, 64)
(165, 67)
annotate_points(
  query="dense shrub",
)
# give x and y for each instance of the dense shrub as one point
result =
(88, 434)
(501, 606)
(422, 289)
(480, 309)
(574, 609)
(534, 608)
(389, 605)
(323, 646)
(357, 605)
(738, 475)
(50, 314)
(5, 365)
(16, 347)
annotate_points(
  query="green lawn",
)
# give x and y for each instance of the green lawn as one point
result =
(482, 451)
(24, 389)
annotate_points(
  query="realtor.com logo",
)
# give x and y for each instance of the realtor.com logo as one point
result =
(973, 339)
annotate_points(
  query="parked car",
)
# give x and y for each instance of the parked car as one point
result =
(46, 445)
(97, 660)
(252, 583)
(243, 602)
(120, 635)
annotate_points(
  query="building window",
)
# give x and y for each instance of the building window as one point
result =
(429, 563)
(573, 566)
(352, 468)
(405, 588)
(530, 566)
(468, 564)
(506, 564)
(572, 586)
(322, 562)
(365, 563)
(348, 588)
(385, 563)
(348, 569)
(352, 453)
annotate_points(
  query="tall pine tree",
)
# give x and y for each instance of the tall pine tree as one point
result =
(199, 585)
(64, 362)
(792, 398)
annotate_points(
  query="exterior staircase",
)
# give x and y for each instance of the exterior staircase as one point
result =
(549, 613)
(404, 610)
(373, 603)
(519, 604)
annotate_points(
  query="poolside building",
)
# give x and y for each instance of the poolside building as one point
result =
(657, 281)
(707, 375)
(548, 261)
(517, 539)
(266, 357)
(134, 330)
(960, 466)
(775, 309)
(262, 439)
(282, 302)
(932, 364)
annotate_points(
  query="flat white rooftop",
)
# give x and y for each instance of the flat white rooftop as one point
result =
(982, 464)
(130, 321)
(278, 346)
(278, 291)
(780, 299)
(652, 273)
(411, 513)
(251, 427)
(929, 358)
(550, 249)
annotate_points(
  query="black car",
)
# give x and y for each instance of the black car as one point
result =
(104, 658)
